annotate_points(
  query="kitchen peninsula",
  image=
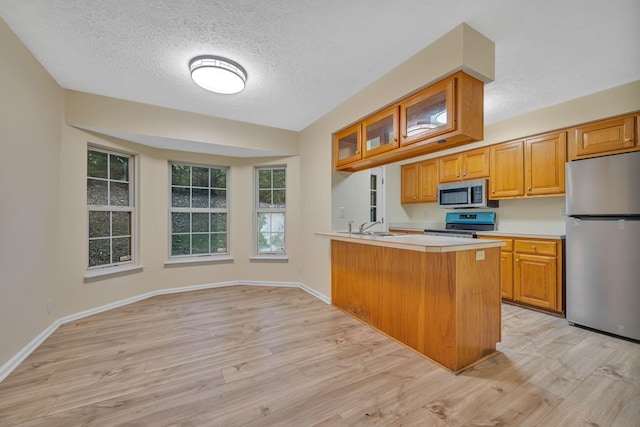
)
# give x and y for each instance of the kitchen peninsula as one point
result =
(438, 295)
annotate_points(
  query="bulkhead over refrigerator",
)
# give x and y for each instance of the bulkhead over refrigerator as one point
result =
(603, 244)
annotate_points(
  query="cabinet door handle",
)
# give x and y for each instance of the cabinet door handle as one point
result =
(528, 188)
(533, 247)
(404, 136)
(464, 174)
(493, 191)
(627, 140)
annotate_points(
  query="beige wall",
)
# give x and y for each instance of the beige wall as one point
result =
(30, 116)
(96, 112)
(152, 176)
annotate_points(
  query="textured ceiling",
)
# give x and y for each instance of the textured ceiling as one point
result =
(305, 57)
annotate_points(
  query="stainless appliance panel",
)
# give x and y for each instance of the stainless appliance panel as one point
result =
(604, 185)
(603, 274)
(464, 194)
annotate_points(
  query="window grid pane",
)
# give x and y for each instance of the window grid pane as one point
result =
(198, 211)
(270, 210)
(110, 208)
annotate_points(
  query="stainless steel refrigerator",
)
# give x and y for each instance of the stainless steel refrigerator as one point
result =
(603, 244)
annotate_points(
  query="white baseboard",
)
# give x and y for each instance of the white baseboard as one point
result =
(20, 356)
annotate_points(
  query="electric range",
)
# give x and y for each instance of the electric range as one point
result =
(465, 224)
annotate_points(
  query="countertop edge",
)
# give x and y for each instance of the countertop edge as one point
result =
(521, 235)
(420, 243)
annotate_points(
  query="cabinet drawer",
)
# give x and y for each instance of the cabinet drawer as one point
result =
(538, 247)
(509, 243)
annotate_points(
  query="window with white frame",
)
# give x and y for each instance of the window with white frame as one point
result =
(199, 210)
(270, 209)
(110, 203)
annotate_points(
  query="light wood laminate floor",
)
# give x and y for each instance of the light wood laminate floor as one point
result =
(269, 356)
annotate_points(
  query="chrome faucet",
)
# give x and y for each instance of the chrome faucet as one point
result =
(350, 224)
(371, 224)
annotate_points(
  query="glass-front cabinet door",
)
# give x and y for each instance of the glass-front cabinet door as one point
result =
(428, 113)
(380, 132)
(347, 145)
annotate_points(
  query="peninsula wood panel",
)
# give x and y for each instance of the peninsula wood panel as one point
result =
(478, 304)
(443, 305)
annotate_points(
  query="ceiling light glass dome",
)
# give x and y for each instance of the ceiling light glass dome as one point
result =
(217, 74)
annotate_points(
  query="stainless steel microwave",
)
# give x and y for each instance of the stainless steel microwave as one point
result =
(465, 194)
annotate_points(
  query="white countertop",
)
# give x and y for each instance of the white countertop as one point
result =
(415, 242)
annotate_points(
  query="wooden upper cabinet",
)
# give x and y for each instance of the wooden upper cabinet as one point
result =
(506, 171)
(428, 113)
(604, 137)
(471, 164)
(428, 181)
(409, 183)
(447, 114)
(380, 132)
(544, 164)
(347, 145)
(450, 168)
(531, 167)
(419, 182)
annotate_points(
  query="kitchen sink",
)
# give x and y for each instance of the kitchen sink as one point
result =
(371, 233)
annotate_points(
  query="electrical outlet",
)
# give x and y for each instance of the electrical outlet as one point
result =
(49, 305)
(479, 255)
(343, 212)
(563, 211)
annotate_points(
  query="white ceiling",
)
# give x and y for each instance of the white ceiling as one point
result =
(305, 57)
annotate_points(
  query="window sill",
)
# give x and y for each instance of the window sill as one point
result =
(177, 262)
(108, 272)
(269, 258)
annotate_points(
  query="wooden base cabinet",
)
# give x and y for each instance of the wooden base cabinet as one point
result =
(534, 280)
(531, 273)
(506, 270)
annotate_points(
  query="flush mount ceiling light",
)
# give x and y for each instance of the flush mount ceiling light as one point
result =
(217, 74)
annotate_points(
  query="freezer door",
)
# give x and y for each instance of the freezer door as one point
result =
(603, 275)
(608, 185)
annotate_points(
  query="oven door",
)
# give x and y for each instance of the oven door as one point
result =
(454, 195)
